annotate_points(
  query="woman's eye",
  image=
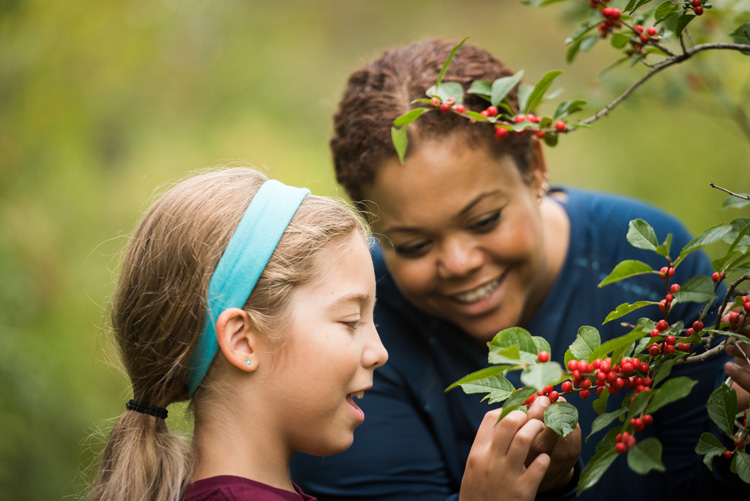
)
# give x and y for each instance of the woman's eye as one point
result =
(485, 223)
(412, 250)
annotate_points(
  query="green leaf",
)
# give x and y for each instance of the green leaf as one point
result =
(561, 417)
(600, 404)
(663, 371)
(625, 269)
(515, 401)
(616, 344)
(619, 40)
(481, 88)
(408, 117)
(595, 468)
(743, 466)
(541, 344)
(538, 376)
(448, 90)
(551, 139)
(604, 420)
(709, 236)
(509, 355)
(709, 447)
(481, 374)
(523, 96)
(670, 391)
(400, 141)
(587, 341)
(722, 406)
(477, 116)
(682, 23)
(497, 388)
(513, 336)
(732, 202)
(664, 10)
(448, 62)
(741, 35)
(642, 235)
(634, 4)
(646, 456)
(572, 51)
(699, 289)
(568, 108)
(624, 309)
(502, 86)
(537, 94)
(663, 249)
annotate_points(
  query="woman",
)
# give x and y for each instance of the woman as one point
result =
(472, 242)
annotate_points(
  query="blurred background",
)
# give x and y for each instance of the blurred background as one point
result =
(101, 103)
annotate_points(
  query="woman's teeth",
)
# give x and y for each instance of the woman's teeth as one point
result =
(481, 292)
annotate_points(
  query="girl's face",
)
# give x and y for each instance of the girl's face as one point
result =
(328, 354)
(465, 237)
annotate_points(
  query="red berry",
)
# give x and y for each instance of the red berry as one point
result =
(671, 340)
(572, 365)
(631, 442)
(647, 381)
(696, 3)
(689, 332)
(648, 419)
(663, 304)
(653, 350)
(543, 356)
(485, 113)
(450, 100)
(533, 118)
(560, 125)
(492, 111)
(674, 288)
(716, 276)
(459, 108)
(620, 447)
(501, 134)
(553, 396)
(584, 394)
(662, 325)
(655, 332)
(651, 31)
(583, 366)
(599, 390)
(683, 347)
(669, 348)
(435, 102)
(638, 28)
(566, 387)
(699, 11)
(669, 298)
(611, 377)
(445, 108)
(727, 454)
(586, 383)
(519, 118)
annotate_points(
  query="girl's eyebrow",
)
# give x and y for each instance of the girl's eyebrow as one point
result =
(469, 206)
(361, 298)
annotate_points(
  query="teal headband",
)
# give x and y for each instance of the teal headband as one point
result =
(242, 263)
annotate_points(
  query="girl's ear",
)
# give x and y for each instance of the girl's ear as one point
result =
(237, 339)
(538, 172)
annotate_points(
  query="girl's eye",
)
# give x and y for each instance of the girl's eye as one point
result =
(412, 250)
(354, 325)
(486, 223)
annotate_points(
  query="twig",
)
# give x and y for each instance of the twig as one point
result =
(743, 197)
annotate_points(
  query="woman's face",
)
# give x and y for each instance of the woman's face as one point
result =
(465, 236)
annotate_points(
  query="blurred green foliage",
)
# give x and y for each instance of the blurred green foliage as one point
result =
(103, 102)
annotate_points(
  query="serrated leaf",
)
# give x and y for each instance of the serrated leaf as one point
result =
(502, 86)
(743, 466)
(508, 355)
(646, 456)
(664, 10)
(709, 236)
(586, 342)
(595, 468)
(604, 420)
(481, 88)
(538, 376)
(625, 269)
(497, 388)
(709, 446)
(513, 336)
(515, 401)
(400, 142)
(561, 417)
(541, 87)
(699, 289)
(485, 373)
(670, 391)
(642, 235)
(448, 90)
(541, 344)
(624, 309)
(448, 63)
(722, 406)
(682, 23)
(408, 117)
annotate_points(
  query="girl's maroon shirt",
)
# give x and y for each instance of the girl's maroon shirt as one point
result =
(231, 488)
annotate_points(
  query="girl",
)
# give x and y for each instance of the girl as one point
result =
(254, 300)
(471, 242)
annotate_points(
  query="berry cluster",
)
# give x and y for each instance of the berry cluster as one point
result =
(738, 319)
(629, 373)
(611, 21)
(697, 7)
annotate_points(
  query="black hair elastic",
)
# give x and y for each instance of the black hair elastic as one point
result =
(151, 410)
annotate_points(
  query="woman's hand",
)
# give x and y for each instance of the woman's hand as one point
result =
(739, 371)
(496, 467)
(563, 452)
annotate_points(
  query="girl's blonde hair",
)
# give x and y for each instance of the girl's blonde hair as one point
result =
(159, 306)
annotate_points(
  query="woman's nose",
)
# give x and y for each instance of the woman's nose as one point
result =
(458, 257)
